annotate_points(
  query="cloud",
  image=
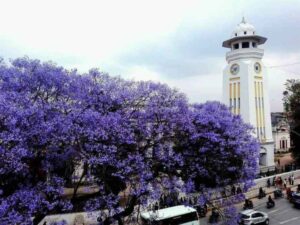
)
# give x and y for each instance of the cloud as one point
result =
(176, 42)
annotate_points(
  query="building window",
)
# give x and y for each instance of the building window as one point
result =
(245, 44)
(279, 144)
(236, 46)
(283, 143)
(254, 45)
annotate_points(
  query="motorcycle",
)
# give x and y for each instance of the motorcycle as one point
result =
(270, 204)
(248, 204)
(278, 193)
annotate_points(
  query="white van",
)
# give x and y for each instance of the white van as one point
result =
(177, 215)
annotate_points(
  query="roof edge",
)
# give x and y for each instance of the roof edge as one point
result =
(260, 39)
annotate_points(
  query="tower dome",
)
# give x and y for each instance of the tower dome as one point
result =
(243, 29)
(242, 32)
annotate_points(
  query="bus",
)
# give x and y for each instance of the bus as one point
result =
(177, 215)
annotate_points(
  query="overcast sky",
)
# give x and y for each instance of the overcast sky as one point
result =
(174, 42)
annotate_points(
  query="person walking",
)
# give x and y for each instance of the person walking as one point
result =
(239, 190)
(284, 183)
(280, 182)
(274, 181)
(233, 190)
(293, 179)
(268, 183)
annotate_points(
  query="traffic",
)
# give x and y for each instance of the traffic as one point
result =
(265, 210)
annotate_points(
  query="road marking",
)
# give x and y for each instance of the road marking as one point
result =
(273, 211)
(286, 221)
(282, 211)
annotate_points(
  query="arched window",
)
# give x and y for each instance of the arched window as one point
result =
(283, 143)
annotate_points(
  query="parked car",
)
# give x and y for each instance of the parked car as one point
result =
(250, 217)
(295, 199)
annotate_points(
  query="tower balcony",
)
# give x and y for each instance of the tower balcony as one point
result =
(244, 53)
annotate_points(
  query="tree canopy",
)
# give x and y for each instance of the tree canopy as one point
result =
(139, 138)
(292, 107)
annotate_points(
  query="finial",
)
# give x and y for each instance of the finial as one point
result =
(243, 20)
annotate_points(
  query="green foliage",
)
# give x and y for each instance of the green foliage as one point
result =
(292, 107)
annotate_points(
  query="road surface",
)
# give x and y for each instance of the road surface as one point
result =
(283, 213)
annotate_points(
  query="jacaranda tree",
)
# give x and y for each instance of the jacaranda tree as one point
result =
(134, 141)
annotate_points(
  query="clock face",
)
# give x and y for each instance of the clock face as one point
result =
(257, 67)
(234, 69)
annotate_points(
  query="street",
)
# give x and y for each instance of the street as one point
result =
(283, 213)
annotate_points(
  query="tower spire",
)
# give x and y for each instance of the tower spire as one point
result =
(243, 20)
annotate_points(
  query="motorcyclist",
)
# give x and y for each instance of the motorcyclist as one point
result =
(248, 204)
(278, 193)
(270, 202)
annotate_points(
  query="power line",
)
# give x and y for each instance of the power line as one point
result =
(284, 65)
(284, 71)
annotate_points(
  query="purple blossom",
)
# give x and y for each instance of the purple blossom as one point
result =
(141, 140)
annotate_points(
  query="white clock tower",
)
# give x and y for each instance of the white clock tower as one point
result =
(245, 88)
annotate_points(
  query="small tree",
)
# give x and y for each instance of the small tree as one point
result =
(292, 107)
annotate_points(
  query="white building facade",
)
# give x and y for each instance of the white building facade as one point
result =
(245, 88)
(281, 132)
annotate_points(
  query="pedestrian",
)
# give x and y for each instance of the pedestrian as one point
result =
(284, 183)
(293, 179)
(290, 180)
(268, 183)
(239, 190)
(274, 181)
(156, 206)
(277, 182)
(233, 190)
(280, 182)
